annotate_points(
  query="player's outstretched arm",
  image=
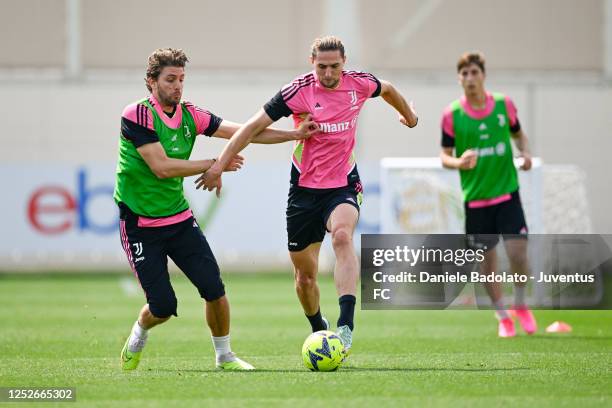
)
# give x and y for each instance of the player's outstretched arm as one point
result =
(270, 135)
(407, 114)
(211, 179)
(522, 144)
(165, 167)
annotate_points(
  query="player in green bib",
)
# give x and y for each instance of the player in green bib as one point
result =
(476, 134)
(157, 136)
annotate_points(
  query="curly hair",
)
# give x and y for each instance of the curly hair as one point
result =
(161, 58)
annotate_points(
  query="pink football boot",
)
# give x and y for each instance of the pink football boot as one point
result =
(506, 328)
(525, 318)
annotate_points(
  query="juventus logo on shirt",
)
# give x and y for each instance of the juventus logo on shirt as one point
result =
(353, 95)
(187, 132)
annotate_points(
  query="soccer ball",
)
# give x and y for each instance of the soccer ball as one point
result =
(322, 351)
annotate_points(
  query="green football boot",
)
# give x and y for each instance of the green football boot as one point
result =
(229, 362)
(129, 359)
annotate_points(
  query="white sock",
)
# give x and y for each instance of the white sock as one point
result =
(138, 338)
(519, 295)
(500, 311)
(222, 345)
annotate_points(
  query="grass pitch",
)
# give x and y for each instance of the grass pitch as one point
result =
(67, 331)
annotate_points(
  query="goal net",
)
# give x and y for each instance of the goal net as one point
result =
(419, 196)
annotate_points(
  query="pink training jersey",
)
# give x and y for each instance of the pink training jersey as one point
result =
(140, 115)
(325, 159)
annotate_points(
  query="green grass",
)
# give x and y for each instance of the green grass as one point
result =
(63, 330)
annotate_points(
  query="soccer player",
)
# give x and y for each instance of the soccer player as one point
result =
(325, 191)
(157, 136)
(479, 127)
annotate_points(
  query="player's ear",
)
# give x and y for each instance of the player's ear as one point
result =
(152, 83)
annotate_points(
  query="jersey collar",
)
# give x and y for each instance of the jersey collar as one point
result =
(478, 113)
(175, 121)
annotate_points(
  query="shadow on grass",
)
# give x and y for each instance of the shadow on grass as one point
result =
(358, 369)
(568, 336)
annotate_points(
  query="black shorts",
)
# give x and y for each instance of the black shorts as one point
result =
(484, 225)
(308, 212)
(148, 249)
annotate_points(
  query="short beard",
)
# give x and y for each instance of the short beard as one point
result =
(165, 100)
(335, 84)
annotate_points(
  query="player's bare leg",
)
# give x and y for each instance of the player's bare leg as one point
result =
(217, 314)
(519, 264)
(305, 268)
(147, 321)
(341, 224)
(488, 267)
(494, 290)
(132, 350)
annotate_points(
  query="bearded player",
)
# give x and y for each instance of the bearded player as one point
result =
(157, 136)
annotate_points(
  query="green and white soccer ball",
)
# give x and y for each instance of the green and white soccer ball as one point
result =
(322, 351)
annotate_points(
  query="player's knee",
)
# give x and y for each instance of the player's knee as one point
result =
(305, 280)
(342, 237)
(163, 308)
(213, 294)
(518, 258)
(212, 288)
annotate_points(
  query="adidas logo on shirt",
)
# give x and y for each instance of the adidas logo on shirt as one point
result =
(317, 106)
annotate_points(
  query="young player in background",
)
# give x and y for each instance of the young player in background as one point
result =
(478, 127)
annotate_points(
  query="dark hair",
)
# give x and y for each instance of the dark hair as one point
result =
(468, 58)
(327, 43)
(164, 57)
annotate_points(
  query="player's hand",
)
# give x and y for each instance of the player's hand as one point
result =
(526, 161)
(210, 180)
(307, 128)
(413, 120)
(235, 164)
(468, 160)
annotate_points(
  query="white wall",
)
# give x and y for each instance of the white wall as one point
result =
(238, 34)
(78, 123)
